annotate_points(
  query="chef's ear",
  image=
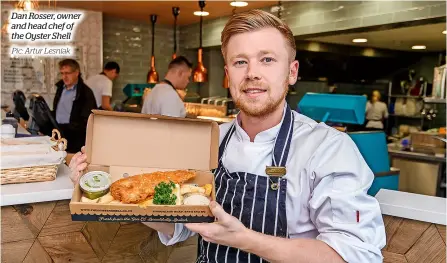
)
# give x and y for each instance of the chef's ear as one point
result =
(293, 72)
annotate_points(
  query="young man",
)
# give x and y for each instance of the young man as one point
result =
(318, 210)
(72, 104)
(164, 98)
(102, 85)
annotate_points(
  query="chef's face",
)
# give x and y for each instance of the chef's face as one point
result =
(259, 67)
(69, 75)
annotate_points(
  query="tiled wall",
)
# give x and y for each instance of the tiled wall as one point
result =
(323, 16)
(129, 44)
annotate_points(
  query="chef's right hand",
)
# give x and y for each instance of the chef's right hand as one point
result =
(77, 164)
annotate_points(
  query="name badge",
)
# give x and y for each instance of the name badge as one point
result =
(275, 170)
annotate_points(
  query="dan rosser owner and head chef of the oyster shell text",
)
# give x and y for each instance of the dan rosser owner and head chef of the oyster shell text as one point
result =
(319, 211)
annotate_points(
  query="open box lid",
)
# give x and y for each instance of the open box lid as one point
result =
(143, 140)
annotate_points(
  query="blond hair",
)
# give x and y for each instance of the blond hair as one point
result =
(254, 20)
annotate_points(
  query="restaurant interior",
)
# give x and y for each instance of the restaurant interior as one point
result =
(346, 50)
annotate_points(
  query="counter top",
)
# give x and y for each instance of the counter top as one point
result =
(415, 155)
(217, 119)
(412, 206)
(59, 189)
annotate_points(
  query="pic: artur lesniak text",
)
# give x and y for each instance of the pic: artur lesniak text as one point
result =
(42, 51)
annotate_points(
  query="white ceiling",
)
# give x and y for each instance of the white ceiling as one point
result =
(396, 39)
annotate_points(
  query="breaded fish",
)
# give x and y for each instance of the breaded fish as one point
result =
(137, 188)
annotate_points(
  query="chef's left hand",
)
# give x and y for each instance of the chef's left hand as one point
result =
(227, 231)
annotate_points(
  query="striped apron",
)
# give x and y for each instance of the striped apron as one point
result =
(251, 198)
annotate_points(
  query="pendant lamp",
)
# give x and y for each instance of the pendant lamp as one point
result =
(200, 73)
(279, 9)
(226, 81)
(152, 75)
(175, 12)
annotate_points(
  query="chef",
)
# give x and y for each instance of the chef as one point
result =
(288, 189)
(376, 112)
(166, 97)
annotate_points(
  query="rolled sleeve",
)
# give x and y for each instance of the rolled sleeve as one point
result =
(347, 218)
(181, 233)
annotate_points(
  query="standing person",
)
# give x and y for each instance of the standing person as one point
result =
(102, 85)
(317, 209)
(72, 104)
(376, 112)
(164, 98)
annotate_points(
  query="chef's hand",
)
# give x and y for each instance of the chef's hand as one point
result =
(227, 231)
(77, 164)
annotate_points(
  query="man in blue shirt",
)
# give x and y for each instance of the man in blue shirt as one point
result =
(72, 104)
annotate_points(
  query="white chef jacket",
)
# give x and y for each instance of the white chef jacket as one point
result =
(327, 183)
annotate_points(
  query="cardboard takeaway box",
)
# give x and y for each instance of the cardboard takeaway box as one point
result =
(125, 144)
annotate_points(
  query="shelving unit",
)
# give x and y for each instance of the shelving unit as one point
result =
(411, 119)
(407, 117)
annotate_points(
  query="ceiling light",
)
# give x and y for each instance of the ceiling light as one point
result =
(238, 3)
(444, 32)
(201, 13)
(360, 40)
(418, 47)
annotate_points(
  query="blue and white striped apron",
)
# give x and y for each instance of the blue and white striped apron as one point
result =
(251, 199)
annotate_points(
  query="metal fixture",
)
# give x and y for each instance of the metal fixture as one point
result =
(152, 75)
(200, 73)
(226, 81)
(175, 12)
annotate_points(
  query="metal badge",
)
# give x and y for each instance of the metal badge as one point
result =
(275, 170)
(274, 186)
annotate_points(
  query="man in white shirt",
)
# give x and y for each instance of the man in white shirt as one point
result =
(288, 189)
(376, 112)
(164, 98)
(102, 85)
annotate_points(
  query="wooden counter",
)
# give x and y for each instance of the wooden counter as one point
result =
(44, 233)
(415, 227)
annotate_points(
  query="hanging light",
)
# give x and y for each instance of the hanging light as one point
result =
(27, 5)
(152, 75)
(200, 73)
(5, 25)
(5, 28)
(226, 81)
(175, 12)
(280, 9)
(238, 3)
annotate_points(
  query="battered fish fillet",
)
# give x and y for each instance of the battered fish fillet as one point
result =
(137, 188)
